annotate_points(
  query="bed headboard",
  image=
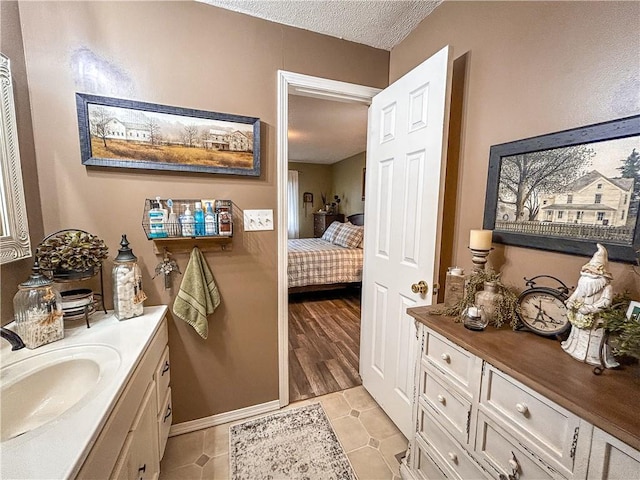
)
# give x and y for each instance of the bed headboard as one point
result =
(356, 218)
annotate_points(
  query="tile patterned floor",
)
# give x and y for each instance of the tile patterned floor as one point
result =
(372, 442)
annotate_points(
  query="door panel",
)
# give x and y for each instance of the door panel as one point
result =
(405, 158)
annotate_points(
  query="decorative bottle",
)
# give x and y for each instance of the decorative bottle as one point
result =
(488, 299)
(38, 310)
(127, 283)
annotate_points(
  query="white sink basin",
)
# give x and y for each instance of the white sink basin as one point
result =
(39, 389)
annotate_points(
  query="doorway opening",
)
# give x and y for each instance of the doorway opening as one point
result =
(316, 307)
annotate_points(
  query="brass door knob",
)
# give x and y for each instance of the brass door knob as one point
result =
(420, 287)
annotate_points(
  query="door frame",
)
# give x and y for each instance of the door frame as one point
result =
(290, 83)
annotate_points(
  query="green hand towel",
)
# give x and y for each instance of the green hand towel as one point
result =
(198, 296)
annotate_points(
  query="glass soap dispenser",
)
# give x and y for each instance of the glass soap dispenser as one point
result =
(127, 283)
(38, 310)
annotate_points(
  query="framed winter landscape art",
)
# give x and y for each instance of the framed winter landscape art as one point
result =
(130, 134)
(569, 190)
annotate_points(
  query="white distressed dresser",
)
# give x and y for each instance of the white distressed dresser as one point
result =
(514, 406)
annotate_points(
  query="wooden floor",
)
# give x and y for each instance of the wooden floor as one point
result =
(324, 343)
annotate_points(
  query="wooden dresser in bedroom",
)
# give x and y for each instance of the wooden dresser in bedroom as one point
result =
(321, 222)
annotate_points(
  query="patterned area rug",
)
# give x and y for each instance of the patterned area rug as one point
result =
(293, 444)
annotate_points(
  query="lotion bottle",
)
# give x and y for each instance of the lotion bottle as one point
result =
(188, 222)
(210, 222)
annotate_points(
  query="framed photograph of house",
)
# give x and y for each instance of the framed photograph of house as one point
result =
(131, 134)
(569, 190)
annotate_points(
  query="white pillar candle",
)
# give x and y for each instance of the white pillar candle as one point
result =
(480, 239)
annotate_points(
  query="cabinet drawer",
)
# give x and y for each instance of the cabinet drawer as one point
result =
(426, 467)
(530, 417)
(451, 360)
(612, 459)
(162, 375)
(165, 416)
(453, 411)
(448, 451)
(502, 454)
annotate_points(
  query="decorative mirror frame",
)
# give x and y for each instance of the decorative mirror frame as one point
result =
(14, 238)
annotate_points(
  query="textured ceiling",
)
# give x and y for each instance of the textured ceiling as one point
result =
(325, 131)
(377, 23)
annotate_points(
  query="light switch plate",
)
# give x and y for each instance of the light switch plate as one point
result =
(255, 220)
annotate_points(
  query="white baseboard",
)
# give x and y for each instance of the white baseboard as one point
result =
(221, 418)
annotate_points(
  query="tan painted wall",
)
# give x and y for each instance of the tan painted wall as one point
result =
(347, 183)
(191, 55)
(317, 179)
(531, 68)
(11, 45)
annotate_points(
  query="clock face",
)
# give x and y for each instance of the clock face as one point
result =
(543, 312)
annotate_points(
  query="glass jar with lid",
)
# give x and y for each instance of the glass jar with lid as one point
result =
(127, 283)
(38, 310)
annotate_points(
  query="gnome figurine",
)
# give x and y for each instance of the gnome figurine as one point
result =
(594, 293)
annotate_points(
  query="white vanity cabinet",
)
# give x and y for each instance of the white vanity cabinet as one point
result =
(513, 406)
(133, 439)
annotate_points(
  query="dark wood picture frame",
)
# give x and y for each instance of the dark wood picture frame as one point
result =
(131, 134)
(504, 204)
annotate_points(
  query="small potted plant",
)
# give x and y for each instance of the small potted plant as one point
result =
(71, 255)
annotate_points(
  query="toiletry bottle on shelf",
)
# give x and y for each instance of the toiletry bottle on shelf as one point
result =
(165, 212)
(198, 215)
(156, 221)
(173, 225)
(188, 222)
(210, 221)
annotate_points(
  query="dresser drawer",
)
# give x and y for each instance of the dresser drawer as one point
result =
(453, 362)
(548, 428)
(503, 455)
(453, 411)
(448, 452)
(425, 467)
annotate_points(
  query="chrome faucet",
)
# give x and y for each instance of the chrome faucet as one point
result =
(13, 338)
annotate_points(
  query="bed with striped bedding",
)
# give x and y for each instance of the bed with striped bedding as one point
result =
(314, 261)
(333, 261)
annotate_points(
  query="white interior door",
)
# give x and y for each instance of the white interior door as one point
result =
(403, 211)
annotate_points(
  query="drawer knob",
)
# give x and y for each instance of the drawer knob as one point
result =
(522, 408)
(453, 457)
(166, 368)
(441, 399)
(446, 357)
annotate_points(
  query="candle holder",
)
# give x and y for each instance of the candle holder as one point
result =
(479, 257)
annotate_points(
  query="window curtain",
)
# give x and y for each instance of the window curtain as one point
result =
(293, 226)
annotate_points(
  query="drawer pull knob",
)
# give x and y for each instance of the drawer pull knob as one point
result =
(453, 457)
(522, 408)
(441, 399)
(446, 357)
(168, 414)
(166, 368)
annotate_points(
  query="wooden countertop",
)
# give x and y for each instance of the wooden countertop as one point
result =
(609, 401)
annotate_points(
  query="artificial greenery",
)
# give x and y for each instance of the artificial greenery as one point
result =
(71, 250)
(507, 304)
(624, 333)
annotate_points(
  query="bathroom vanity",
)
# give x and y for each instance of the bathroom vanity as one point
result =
(512, 405)
(110, 387)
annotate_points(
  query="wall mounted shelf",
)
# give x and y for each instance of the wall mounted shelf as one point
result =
(186, 244)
